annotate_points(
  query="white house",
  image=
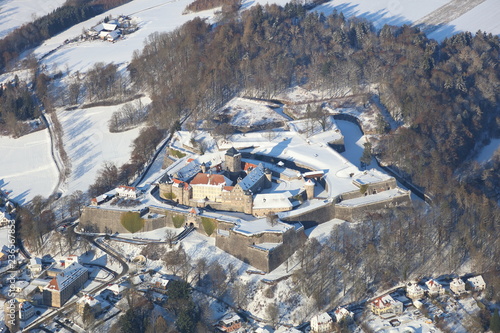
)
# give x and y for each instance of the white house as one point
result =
(434, 287)
(35, 266)
(322, 323)
(342, 314)
(5, 218)
(414, 291)
(457, 286)
(128, 192)
(477, 283)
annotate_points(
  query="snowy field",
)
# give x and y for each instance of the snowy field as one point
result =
(151, 15)
(27, 168)
(15, 13)
(245, 112)
(164, 16)
(89, 143)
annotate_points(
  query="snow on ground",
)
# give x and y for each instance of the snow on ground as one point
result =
(488, 151)
(246, 112)
(484, 17)
(14, 13)
(152, 16)
(27, 168)
(4, 236)
(89, 143)
(380, 12)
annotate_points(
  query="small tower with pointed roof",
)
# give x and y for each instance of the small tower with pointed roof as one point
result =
(233, 160)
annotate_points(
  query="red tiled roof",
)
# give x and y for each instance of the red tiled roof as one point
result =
(247, 166)
(127, 187)
(208, 179)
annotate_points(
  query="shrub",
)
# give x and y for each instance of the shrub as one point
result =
(208, 225)
(132, 221)
(178, 220)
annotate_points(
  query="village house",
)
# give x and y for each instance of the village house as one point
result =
(127, 192)
(26, 310)
(229, 323)
(35, 266)
(476, 283)
(5, 218)
(385, 304)
(434, 288)
(159, 283)
(414, 291)
(342, 314)
(66, 284)
(457, 286)
(94, 304)
(321, 323)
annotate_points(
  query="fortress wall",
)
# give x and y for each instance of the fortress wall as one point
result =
(359, 212)
(319, 215)
(241, 246)
(95, 219)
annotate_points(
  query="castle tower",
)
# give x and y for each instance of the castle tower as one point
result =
(11, 315)
(269, 177)
(248, 202)
(203, 167)
(309, 186)
(233, 160)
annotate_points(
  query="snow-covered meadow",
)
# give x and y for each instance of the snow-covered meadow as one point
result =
(89, 143)
(15, 13)
(27, 167)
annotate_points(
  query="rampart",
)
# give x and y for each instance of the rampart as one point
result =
(353, 213)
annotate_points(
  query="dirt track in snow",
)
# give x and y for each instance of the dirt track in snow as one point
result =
(445, 14)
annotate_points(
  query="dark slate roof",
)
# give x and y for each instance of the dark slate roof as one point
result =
(232, 152)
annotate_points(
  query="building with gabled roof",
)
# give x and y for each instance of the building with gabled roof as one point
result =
(321, 323)
(128, 192)
(434, 288)
(229, 323)
(342, 313)
(414, 291)
(385, 304)
(64, 285)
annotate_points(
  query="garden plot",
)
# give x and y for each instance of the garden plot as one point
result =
(248, 113)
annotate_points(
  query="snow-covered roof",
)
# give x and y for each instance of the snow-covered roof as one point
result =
(273, 201)
(321, 319)
(66, 277)
(433, 284)
(267, 246)
(284, 329)
(384, 301)
(35, 261)
(109, 26)
(370, 177)
(88, 299)
(476, 281)
(253, 177)
(229, 319)
(188, 171)
(259, 226)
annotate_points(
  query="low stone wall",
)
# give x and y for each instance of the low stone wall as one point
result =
(319, 215)
(355, 213)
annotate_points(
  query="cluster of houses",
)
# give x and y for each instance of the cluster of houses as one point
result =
(388, 305)
(112, 29)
